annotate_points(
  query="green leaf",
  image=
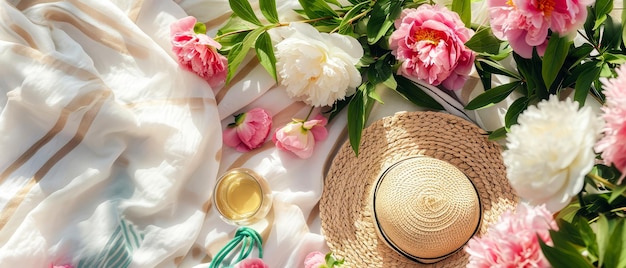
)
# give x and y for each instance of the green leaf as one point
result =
(415, 94)
(566, 258)
(588, 236)
(317, 9)
(603, 7)
(581, 52)
(617, 192)
(613, 58)
(243, 9)
(375, 96)
(235, 24)
(570, 234)
(569, 212)
(612, 35)
(381, 72)
(496, 68)
(599, 21)
(464, 9)
(345, 22)
(268, 8)
(590, 73)
(588, 26)
(537, 84)
(514, 110)
(265, 53)
(334, 2)
(483, 41)
(199, 28)
(498, 134)
(602, 227)
(330, 261)
(492, 96)
(606, 70)
(356, 116)
(230, 40)
(554, 57)
(381, 19)
(391, 82)
(616, 252)
(238, 53)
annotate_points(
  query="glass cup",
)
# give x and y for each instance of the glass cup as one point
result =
(242, 197)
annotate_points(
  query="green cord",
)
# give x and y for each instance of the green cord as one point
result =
(248, 237)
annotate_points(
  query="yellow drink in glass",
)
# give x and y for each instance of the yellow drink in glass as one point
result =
(242, 197)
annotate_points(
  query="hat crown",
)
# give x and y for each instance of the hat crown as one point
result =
(425, 208)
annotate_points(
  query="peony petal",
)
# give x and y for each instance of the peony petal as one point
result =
(230, 137)
(183, 25)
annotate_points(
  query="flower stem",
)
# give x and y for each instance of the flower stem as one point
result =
(280, 24)
(618, 209)
(308, 115)
(604, 181)
(350, 21)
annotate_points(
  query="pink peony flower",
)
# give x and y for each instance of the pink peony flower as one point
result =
(525, 23)
(251, 263)
(314, 259)
(613, 144)
(197, 52)
(430, 42)
(512, 241)
(299, 136)
(60, 266)
(249, 130)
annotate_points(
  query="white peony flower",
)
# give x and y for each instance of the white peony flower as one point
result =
(550, 151)
(317, 68)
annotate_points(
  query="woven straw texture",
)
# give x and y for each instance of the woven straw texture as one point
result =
(417, 211)
(346, 205)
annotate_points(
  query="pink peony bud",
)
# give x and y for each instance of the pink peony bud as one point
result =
(314, 260)
(249, 130)
(251, 263)
(299, 136)
(197, 52)
(60, 266)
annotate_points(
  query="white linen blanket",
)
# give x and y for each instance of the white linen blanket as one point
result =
(110, 151)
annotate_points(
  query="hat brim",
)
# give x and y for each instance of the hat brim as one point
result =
(346, 207)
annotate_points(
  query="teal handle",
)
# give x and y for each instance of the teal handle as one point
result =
(248, 238)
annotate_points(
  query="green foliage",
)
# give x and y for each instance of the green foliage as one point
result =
(331, 261)
(268, 8)
(317, 9)
(265, 53)
(381, 19)
(239, 51)
(584, 244)
(464, 9)
(243, 10)
(413, 93)
(357, 114)
(555, 55)
(483, 41)
(492, 96)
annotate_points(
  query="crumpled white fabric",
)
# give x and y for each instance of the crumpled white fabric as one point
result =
(101, 132)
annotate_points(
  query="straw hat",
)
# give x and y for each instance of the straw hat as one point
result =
(424, 183)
